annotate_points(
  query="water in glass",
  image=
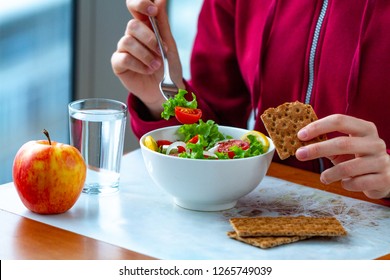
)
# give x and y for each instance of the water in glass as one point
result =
(99, 135)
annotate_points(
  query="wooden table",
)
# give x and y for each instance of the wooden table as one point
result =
(23, 238)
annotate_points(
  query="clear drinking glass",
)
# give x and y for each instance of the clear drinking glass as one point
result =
(97, 130)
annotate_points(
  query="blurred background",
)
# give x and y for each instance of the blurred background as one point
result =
(56, 51)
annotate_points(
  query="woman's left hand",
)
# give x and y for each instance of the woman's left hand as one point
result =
(360, 159)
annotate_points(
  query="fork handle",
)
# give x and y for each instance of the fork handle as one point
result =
(158, 36)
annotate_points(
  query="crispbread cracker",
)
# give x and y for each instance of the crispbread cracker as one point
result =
(287, 226)
(283, 123)
(265, 242)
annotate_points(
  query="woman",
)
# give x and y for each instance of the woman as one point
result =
(250, 55)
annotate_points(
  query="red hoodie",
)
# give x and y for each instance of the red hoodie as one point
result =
(250, 55)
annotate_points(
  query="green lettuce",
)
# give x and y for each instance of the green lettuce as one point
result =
(178, 100)
(208, 131)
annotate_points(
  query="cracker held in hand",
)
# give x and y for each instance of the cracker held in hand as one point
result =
(283, 123)
(287, 226)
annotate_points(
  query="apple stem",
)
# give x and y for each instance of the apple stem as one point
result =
(47, 135)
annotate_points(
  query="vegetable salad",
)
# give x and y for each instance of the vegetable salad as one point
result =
(203, 140)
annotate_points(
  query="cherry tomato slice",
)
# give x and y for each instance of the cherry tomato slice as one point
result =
(194, 139)
(225, 146)
(163, 142)
(187, 115)
(180, 149)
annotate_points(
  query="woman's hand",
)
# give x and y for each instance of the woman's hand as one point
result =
(360, 159)
(137, 61)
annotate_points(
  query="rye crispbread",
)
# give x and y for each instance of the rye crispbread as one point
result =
(287, 226)
(265, 242)
(283, 123)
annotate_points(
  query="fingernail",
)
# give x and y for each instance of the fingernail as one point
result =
(301, 153)
(155, 64)
(323, 180)
(151, 10)
(302, 134)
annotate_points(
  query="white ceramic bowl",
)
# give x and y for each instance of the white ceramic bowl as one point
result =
(205, 185)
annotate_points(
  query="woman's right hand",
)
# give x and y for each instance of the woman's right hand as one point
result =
(137, 61)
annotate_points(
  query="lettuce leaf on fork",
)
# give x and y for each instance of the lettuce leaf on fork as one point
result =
(178, 100)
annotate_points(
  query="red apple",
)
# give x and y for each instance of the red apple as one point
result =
(48, 176)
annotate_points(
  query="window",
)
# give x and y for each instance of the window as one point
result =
(35, 74)
(183, 17)
(36, 69)
(100, 24)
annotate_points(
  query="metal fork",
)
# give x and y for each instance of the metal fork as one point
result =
(167, 87)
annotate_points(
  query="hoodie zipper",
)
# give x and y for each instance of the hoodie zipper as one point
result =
(313, 50)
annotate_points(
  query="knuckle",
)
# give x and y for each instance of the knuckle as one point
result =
(383, 162)
(128, 61)
(151, 40)
(315, 150)
(337, 120)
(387, 179)
(147, 57)
(378, 146)
(113, 58)
(342, 144)
(119, 64)
(130, 3)
(371, 127)
(121, 43)
(132, 25)
(137, 5)
(382, 145)
(346, 170)
(130, 42)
